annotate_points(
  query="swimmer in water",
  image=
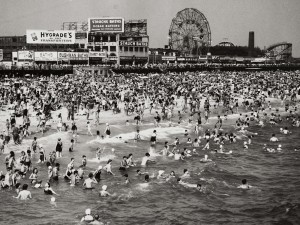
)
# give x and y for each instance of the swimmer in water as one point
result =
(205, 159)
(186, 174)
(24, 194)
(139, 173)
(171, 175)
(126, 179)
(279, 149)
(244, 185)
(199, 187)
(48, 190)
(52, 201)
(99, 152)
(146, 159)
(104, 192)
(161, 174)
(89, 181)
(185, 184)
(88, 217)
(286, 131)
(147, 178)
(273, 138)
(107, 167)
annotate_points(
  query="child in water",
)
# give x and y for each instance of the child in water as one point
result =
(84, 161)
(104, 192)
(244, 185)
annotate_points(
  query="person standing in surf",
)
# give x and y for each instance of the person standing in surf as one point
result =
(153, 137)
(58, 148)
(107, 131)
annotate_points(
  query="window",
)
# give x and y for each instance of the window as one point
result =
(97, 38)
(113, 48)
(125, 49)
(97, 48)
(105, 48)
(105, 38)
(81, 45)
(141, 49)
(113, 38)
(131, 49)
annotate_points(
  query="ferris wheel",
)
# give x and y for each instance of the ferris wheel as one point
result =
(190, 32)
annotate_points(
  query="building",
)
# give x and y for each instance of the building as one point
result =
(128, 47)
(134, 42)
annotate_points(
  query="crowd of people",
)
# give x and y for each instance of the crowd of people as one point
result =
(193, 99)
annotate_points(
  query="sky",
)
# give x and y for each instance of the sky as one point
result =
(272, 21)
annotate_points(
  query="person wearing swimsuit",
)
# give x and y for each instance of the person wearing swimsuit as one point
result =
(48, 190)
(58, 149)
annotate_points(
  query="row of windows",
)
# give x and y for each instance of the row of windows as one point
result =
(133, 49)
(8, 47)
(122, 49)
(12, 39)
(98, 38)
(131, 39)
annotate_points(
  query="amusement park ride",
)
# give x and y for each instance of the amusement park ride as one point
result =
(189, 32)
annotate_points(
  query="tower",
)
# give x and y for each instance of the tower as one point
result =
(251, 44)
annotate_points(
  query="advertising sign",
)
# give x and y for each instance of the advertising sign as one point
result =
(45, 56)
(97, 54)
(108, 25)
(26, 55)
(1, 54)
(105, 44)
(113, 58)
(81, 35)
(133, 43)
(65, 56)
(50, 37)
(168, 58)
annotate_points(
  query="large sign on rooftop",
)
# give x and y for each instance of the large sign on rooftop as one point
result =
(106, 24)
(50, 37)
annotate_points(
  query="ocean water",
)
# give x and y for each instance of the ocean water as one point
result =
(273, 199)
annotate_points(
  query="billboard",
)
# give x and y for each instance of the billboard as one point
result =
(108, 25)
(168, 58)
(133, 43)
(97, 54)
(26, 55)
(50, 37)
(66, 56)
(1, 54)
(81, 35)
(135, 28)
(45, 56)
